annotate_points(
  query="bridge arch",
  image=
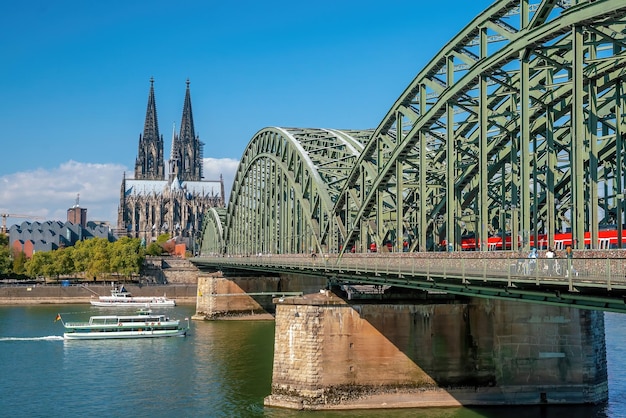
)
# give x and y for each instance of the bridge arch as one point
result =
(514, 125)
(212, 242)
(285, 188)
(517, 126)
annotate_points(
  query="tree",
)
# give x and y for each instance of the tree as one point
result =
(19, 262)
(64, 260)
(35, 267)
(163, 238)
(5, 258)
(93, 257)
(127, 255)
(49, 266)
(154, 249)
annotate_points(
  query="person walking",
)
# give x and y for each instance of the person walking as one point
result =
(532, 260)
(550, 262)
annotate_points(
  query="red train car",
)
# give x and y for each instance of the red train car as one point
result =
(607, 238)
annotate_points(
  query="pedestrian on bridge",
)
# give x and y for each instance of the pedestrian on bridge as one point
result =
(532, 261)
(550, 265)
(570, 267)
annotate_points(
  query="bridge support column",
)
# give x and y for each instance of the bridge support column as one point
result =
(234, 297)
(337, 354)
(249, 297)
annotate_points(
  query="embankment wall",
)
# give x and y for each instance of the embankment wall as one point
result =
(53, 294)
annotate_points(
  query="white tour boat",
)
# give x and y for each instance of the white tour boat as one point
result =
(121, 297)
(142, 325)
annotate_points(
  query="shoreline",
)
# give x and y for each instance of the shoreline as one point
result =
(70, 301)
(183, 294)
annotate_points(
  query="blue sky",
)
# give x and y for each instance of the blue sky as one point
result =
(75, 76)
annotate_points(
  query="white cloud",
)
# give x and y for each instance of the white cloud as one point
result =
(227, 167)
(49, 193)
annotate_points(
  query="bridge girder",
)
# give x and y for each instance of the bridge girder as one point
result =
(516, 126)
(213, 232)
(284, 189)
(510, 130)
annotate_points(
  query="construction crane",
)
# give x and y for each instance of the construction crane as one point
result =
(13, 215)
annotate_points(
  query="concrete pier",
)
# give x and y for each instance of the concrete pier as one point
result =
(247, 297)
(332, 353)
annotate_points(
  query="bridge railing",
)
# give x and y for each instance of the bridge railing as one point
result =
(600, 272)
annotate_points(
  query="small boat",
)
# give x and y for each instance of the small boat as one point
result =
(121, 297)
(142, 325)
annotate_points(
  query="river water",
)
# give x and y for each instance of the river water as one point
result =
(222, 369)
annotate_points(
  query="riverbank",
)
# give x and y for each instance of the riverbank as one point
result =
(184, 294)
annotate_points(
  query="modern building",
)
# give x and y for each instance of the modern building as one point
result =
(30, 237)
(157, 201)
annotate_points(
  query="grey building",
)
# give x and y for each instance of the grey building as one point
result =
(30, 237)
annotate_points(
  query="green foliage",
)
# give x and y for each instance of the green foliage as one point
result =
(19, 263)
(127, 256)
(5, 259)
(48, 266)
(64, 260)
(93, 258)
(161, 239)
(36, 266)
(154, 249)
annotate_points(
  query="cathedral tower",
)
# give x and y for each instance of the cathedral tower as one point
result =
(187, 150)
(150, 203)
(149, 164)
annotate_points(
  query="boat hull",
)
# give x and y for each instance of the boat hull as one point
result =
(121, 297)
(124, 334)
(145, 304)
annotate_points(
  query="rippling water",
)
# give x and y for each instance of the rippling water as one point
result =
(222, 369)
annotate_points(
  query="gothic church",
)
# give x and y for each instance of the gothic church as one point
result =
(157, 201)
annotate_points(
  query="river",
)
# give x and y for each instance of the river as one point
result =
(222, 369)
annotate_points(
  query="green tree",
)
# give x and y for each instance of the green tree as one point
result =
(154, 249)
(64, 260)
(162, 239)
(19, 262)
(99, 257)
(5, 258)
(36, 265)
(80, 256)
(93, 257)
(127, 256)
(49, 266)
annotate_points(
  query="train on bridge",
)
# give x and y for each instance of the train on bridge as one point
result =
(607, 238)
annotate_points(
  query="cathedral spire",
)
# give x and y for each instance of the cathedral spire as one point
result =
(186, 158)
(149, 164)
(187, 131)
(151, 125)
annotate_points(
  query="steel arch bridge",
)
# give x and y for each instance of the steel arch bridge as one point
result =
(518, 124)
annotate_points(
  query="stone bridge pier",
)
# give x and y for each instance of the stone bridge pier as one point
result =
(333, 352)
(247, 296)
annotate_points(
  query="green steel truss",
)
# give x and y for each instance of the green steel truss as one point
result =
(213, 232)
(285, 189)
(520, 117)
(517, 124)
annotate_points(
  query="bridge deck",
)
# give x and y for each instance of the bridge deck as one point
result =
(594, 280)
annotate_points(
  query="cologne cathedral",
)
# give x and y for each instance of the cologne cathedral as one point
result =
(174, 201)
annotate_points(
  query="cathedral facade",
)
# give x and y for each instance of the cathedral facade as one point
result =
(173, 201)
